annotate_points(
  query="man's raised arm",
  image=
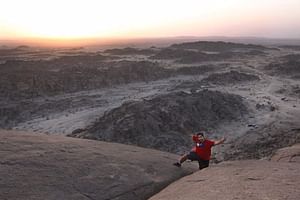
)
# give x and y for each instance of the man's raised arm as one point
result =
(220, 141)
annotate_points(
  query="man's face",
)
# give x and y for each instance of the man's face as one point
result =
(201, 138)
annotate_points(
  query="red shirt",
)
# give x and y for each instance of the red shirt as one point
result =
(203, 149)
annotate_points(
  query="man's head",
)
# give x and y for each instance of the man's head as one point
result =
(200, 136)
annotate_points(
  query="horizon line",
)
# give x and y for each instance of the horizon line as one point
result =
(113, 40)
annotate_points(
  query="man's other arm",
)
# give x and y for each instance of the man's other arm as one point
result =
(220, 141)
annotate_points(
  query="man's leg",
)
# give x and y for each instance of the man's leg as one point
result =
(203, 163)
(191, 156)
(181, 160)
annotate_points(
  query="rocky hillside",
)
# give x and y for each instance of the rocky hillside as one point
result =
(31, 79)
(217, 46)
(288, 66)
(227, 78)
(36, 166)
(130, 51)
(203, 51)
(166, 122)
(264, 141)
(187, 56)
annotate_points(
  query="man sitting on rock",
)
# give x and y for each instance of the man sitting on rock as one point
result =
(201, 152)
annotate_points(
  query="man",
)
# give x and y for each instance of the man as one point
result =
(201, 152)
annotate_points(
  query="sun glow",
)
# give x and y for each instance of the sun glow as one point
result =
(56, 19)
(85, 18)
(74, 19)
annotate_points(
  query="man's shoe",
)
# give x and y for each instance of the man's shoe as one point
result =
(177, 164)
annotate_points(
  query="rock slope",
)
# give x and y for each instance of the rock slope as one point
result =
(248, 180)
(36, 166)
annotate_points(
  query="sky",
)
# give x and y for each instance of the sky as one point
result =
(81, 19)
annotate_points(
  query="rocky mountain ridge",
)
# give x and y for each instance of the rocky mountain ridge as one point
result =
(166, 122)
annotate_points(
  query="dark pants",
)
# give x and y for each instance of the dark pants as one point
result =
(193, 156)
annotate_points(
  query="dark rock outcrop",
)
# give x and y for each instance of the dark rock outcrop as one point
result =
(289, 66)
(232, 77)
(263, 141)
(166, 122)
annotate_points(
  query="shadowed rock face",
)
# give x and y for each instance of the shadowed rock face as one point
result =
(35, 166)
(288, 65)
(264, 141)
(293, 47)
(166, 121)
(289, 68)
(232, 77)
(291, 57)
(291, 91)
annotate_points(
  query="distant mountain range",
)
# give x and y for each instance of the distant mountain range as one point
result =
(141, 42)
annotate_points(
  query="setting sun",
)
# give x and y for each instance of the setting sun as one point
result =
(69, 19)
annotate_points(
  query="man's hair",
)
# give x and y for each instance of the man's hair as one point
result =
(200, 133)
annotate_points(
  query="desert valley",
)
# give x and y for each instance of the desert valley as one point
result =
(82, 123)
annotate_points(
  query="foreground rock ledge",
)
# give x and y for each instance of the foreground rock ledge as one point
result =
(35, 166)
(249, 179)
